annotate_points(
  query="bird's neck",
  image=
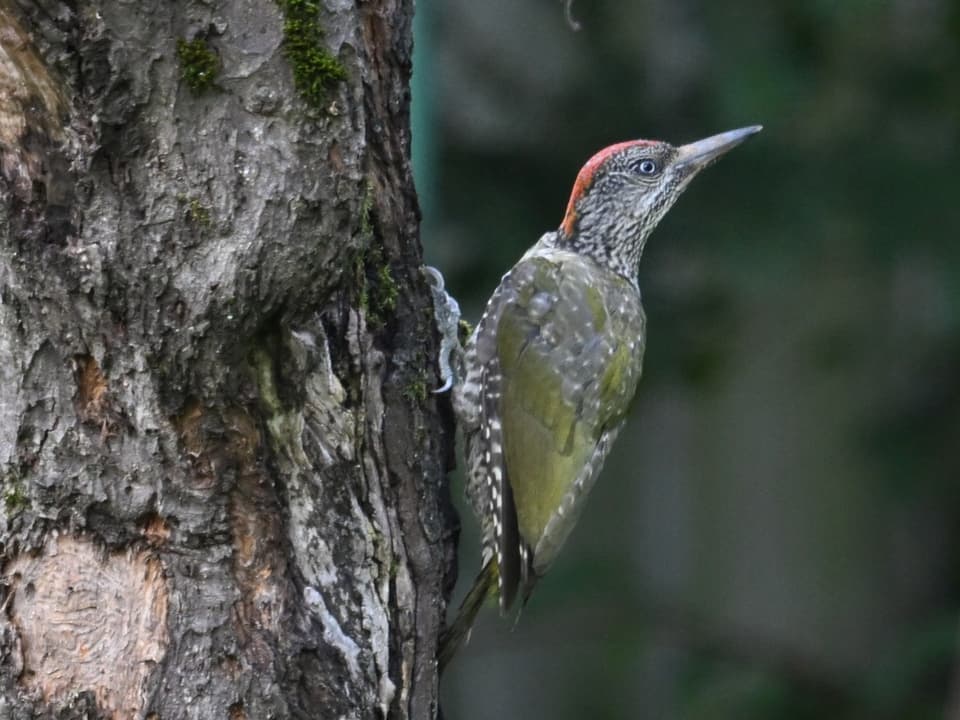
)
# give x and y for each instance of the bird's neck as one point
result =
(617, 249)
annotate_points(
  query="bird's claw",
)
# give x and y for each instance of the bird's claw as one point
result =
(446, 311)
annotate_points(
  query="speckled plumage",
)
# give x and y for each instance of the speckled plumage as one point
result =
(552, 384)
(553, 364)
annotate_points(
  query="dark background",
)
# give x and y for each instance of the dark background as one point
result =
(776, 532)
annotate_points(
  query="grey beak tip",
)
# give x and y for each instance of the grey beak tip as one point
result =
(703, 152)
(745, 132)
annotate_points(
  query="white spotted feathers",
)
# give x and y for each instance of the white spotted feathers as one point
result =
(554, 363)
(550, 370)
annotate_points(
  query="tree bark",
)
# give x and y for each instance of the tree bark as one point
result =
(222, 469)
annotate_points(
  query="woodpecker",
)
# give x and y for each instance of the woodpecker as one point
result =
(553, 364)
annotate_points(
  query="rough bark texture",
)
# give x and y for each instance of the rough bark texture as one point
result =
(222, 470)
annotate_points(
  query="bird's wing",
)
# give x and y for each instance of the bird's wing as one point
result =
(569, 345)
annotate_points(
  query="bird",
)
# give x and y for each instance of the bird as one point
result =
(548, 374)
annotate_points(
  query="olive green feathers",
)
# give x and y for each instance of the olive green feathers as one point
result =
(553, 365)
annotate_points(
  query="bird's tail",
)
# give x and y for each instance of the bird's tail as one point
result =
(484, 587)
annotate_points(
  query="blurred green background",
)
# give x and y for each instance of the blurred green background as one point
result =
(776, 532)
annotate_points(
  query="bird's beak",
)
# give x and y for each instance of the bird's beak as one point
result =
(697, 155)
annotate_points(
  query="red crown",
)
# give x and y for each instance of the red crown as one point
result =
(585, 179)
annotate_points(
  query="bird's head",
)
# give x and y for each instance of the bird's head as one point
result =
(624, 190)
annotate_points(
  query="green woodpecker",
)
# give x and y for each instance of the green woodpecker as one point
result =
(553, 364)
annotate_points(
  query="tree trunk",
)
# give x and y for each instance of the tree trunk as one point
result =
(222, 469)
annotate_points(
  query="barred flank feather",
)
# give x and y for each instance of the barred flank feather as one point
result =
(506, 536)
(555, 361)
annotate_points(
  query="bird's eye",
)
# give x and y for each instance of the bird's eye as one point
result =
(647, 167)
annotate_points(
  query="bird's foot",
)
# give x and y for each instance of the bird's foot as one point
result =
(446, 313)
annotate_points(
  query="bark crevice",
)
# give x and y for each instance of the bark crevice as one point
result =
(192, 380)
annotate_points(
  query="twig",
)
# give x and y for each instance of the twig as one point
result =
(568, 13)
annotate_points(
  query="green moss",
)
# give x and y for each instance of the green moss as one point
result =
(314, 69)
(196, 212)
(199, 64)
(416, 390)
(378, 290)
(14, 498)
(388, 292)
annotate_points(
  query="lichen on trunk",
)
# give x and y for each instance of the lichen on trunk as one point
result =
(204, 433)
